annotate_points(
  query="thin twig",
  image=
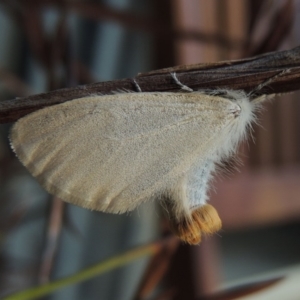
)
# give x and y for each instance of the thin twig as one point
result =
(53, 233)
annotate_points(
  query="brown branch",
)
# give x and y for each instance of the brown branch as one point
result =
(245, 74)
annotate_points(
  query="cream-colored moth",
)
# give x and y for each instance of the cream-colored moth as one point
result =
(113, 152)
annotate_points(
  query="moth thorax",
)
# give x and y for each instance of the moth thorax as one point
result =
(203, 220)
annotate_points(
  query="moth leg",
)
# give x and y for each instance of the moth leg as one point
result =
(137, 86)
(183, 86)
(267, 82)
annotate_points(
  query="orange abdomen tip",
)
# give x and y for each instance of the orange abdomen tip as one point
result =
(204, 219)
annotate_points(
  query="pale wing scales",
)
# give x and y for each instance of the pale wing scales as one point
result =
(112, 152)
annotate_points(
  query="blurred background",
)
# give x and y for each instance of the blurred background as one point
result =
(51, 44)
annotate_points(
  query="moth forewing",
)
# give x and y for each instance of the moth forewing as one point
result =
(111, 153)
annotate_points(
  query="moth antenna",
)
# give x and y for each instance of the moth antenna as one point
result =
(267, 82)
(182, 86)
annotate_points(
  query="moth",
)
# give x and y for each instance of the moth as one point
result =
(113, 152)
